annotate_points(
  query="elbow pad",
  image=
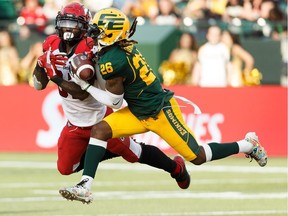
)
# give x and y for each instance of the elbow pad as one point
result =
(105, 97)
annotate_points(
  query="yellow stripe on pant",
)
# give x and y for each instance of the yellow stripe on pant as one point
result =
(168, 124)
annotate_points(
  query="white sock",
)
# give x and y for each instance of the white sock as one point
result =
(87, 184)
(208, 152)
(245, 146)
(135, 148)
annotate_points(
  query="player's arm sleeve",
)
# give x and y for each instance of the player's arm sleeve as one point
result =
(105, 97)
(40, 79)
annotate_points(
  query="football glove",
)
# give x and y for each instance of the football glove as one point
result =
(76, 79)
(48, 61)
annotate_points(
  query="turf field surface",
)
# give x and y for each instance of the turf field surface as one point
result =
(29, 186)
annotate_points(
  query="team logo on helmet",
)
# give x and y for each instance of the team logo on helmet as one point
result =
(113, 26)
(112, 21)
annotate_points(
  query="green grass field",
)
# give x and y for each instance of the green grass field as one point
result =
(29, 186)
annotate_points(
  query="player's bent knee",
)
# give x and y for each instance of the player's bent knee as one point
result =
(101, 131)
(130, 156)
(63, 170)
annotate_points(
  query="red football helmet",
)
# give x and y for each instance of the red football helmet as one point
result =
(72, 22)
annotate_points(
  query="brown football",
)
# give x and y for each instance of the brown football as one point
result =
(82, 66)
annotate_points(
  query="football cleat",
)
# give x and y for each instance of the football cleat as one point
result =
(183, 178)
(77, 192)
(258, 153)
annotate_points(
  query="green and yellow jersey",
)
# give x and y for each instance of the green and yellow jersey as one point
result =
(142, 89)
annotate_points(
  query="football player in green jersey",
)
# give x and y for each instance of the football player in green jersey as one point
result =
(150, 107)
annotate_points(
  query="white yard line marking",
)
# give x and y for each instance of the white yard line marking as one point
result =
(152, 182)
(216, 213)
(29, 199)
(141, 167)
(133, 195)
(185, 195)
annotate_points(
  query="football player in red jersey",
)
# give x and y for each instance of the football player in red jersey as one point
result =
(81, 109)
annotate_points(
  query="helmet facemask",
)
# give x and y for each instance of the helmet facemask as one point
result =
(72, 22)
(69, 29)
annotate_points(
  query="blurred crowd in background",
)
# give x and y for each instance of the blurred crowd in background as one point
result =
(191, 62)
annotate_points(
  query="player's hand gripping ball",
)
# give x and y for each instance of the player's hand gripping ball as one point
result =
(82, 66)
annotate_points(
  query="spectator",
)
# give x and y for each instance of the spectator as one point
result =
(51, 8)
(95, 5)
(196, 9)
(234, 9)
(265, 9)
(282, 36)
(280, 33)
(32, 15)
(271, 11)
(211, 69)
(217, 8)
(142, 8)
(181, 61)
(119, 4)
(241, 61)
(29, 61)
(186, 50)
(167, 15)
(284, 54)
(24, 33)
(201, 9)
(9, 59)
(252, 9)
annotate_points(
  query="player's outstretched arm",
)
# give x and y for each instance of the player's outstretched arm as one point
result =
(107, 98)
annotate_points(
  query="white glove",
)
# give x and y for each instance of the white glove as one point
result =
(83, 84)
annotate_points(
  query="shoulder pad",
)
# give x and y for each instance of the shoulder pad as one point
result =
(85, 45)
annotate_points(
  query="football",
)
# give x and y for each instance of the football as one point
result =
(82, 66)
